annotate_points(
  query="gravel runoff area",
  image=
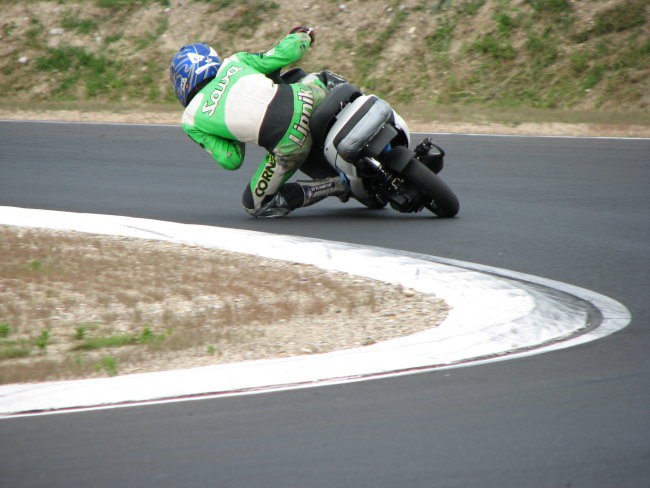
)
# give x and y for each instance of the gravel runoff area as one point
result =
(76, 305)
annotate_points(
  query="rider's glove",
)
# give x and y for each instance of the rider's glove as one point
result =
(306, 30)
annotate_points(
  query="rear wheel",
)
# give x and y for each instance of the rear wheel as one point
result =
(443, 201)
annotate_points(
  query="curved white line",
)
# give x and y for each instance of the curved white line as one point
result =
(496, 314)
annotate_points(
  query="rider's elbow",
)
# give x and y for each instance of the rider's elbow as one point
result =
(229, 161)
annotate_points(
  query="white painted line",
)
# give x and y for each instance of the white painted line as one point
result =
(85, 122)
(530, 136)
(495, 315)
(533, 136)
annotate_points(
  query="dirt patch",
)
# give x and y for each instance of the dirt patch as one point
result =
(75, 305)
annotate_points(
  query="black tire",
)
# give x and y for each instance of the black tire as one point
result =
(444, 202)
(372, 202)
(397, 159)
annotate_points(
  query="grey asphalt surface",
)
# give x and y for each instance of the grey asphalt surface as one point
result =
(573, 210)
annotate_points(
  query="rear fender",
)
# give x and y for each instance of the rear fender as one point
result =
(397, 159)
(402, 129)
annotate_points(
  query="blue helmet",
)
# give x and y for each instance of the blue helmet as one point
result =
(190, 67)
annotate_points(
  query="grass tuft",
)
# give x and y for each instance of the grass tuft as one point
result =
(108, 365)
(620, 17)
(119, 340)
(71, 21)
(43, 339)
(13, 352)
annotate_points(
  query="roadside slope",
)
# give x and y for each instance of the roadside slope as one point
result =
(591, 59)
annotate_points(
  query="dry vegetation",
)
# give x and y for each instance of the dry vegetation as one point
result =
(77, 305)
(537, 58)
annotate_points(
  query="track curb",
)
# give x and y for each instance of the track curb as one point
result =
(495, 315)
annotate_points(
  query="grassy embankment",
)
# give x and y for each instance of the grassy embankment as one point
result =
(518, 61)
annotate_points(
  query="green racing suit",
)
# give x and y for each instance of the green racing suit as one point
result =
(243, 105)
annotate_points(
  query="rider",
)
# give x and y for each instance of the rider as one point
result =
(234, 102)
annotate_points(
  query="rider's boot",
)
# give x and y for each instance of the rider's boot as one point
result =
(300, 194)
(306, 193)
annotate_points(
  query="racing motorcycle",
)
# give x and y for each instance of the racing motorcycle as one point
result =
(363, 137)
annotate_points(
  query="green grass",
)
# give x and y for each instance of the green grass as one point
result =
(100, 74)
(43, 339)
(496, 47)
(90, 344)
(115, 4)
(9, 28)
(470, 7)
(64, 58)
(549, 68)
(80, 332)
(111, 38)
(21, 347)
(371, 45)
(108, 365)
(505, 23)
(14, 352)
(120, 340)
(34, 33)
(35, 265)
(579, 62)
(149, 38)
(12, 348)
(527, 54)
(74, 23)
(219, 4)
(542, 48)
(556, 7)
(249, 16)
(440, 40)
(619, 18)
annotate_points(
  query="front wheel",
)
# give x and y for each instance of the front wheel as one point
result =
(443, 201)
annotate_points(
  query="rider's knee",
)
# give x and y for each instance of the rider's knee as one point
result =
(272, 206)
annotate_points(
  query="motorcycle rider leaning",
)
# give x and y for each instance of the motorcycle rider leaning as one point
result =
(233, 102)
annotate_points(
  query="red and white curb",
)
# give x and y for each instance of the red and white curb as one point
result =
(495, 314)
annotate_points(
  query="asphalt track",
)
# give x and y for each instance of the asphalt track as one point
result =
(572, 210)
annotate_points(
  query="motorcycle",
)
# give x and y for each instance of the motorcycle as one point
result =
(363, 137)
